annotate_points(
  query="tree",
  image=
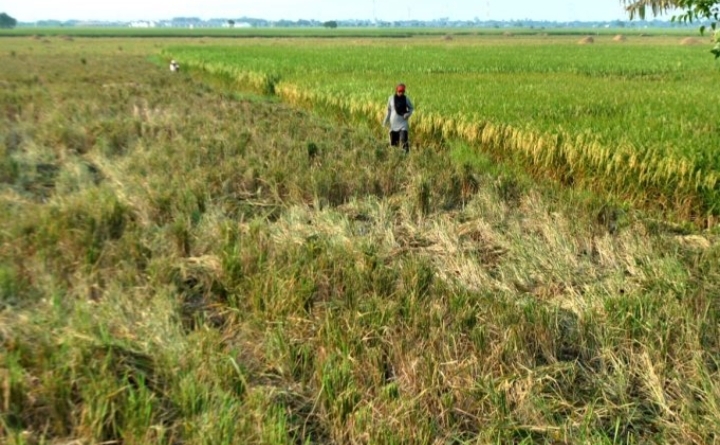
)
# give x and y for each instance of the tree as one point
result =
(330, 24)
(689, 11)
(6, 21)
(231, 23)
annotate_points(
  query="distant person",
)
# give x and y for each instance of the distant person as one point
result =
(399, 110)
(174, 66)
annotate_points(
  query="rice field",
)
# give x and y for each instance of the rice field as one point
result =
(628, 117)
(183, 261)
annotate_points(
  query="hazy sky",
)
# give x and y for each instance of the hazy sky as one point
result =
(558, 10)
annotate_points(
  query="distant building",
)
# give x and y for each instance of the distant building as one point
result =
(143, 24)
(237, 25)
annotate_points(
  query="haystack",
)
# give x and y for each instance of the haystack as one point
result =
(586, 40)
(619, 38)
(689, 41)
(447, 37)
(508, 34)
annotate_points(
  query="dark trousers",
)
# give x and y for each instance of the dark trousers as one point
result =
(400, 137)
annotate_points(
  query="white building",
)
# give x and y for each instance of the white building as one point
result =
(143, 24)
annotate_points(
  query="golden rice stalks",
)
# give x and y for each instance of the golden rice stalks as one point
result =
(621, 168)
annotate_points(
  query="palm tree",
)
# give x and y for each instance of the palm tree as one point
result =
(657, 7)
(689, 10)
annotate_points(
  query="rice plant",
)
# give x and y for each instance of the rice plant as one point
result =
(176, 267)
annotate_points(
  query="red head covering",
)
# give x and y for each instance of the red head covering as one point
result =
(400, 88)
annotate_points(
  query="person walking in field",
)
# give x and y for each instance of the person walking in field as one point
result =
(399, 110)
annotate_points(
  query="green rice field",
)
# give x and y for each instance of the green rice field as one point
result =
(630, 117)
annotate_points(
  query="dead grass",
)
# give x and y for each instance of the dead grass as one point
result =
(192, 276)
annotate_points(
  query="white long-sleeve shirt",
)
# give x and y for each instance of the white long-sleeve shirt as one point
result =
(396, 121)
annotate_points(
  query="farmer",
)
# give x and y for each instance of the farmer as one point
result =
(399, 110)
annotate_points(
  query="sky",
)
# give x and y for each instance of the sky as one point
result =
(323, 10)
